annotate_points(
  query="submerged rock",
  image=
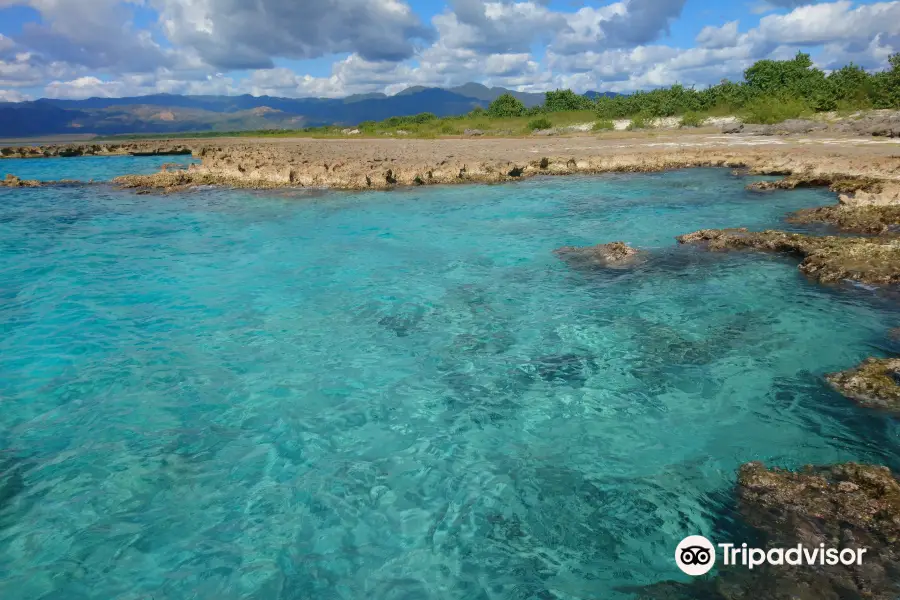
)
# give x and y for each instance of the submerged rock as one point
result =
(570, 369)
(613, 254)
(874, 384)
(827, 259)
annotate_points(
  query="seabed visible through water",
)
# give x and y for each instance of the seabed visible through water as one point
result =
(231, 394)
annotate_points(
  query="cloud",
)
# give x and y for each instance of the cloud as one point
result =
(643, 22)
(97, 34)
(827, 23)
(718, 37)
(92, 47)
(497, 27)
(246, 34)
(163, 81)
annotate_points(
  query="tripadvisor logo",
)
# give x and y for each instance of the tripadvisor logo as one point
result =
(696, 555)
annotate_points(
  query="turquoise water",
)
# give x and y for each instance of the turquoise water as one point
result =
(226, 394)
(83, 168)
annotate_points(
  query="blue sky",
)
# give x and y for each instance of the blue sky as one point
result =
(82, 48)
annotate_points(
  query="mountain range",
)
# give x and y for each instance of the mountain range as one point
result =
(170, 113)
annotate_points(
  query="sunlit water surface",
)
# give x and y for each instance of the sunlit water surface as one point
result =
(406, 395)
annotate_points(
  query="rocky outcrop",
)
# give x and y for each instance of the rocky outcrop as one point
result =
(788, 127)
(154, 148)
(836, 182)
(13, 181)
(613, 254)
(845, 506)
(873, 384)
(863, 219)
(881, 124)
(826, 259)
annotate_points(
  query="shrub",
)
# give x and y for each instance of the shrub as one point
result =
(604, 125)
(768, 110)
(449, 129)
(541, 123)
(506, 105)
(563, 100)
(692, 119)
(639, 121)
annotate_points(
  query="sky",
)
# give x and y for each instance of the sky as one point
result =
(334, 48)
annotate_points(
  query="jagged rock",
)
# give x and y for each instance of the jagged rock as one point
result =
(874, 384)
(795, 126)
(735, 127)
(827, 259)
(602, 255)
(13, 181)
(473, 132)
(880, 125)
(861, 219)
(845, 506)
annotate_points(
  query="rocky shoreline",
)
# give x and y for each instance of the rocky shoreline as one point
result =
(101, 149)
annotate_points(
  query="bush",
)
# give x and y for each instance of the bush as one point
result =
(692, 119)
(506, 105)
(604, 125)
(541, 123)
(449, 129)
(768, 110)
(639, 122)
(563, 100)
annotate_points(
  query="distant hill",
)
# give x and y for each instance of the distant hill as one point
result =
(170, 113)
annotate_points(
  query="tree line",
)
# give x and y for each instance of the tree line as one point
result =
(771, 90)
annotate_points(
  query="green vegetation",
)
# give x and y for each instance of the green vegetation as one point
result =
(506, 105)
(692, 119)
(540, 123)
(639, 121)
(772, 91)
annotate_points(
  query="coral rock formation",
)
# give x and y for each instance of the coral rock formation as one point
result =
(874, 384)
(827, 259)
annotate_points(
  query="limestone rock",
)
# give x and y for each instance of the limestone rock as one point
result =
(874, 384)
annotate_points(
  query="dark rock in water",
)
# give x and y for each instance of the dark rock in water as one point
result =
(735, 127)
(570, 368)
(873, 384)
(613, 254)
(845, 506)
(825, 258)
(404, 321)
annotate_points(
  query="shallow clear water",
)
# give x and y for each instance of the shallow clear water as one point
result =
(403, 395)
(83, 168)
